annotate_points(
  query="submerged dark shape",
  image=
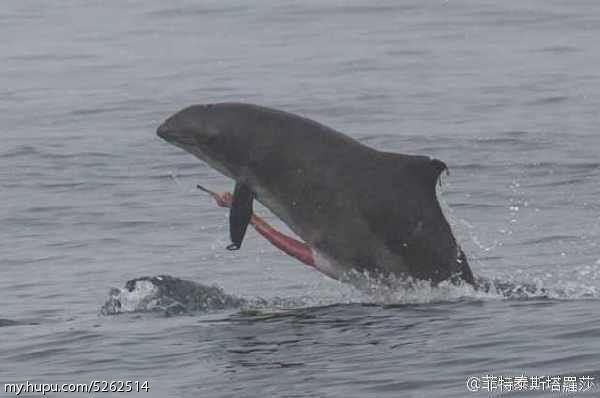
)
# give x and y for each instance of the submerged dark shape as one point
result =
(168, 295)
(356, 207)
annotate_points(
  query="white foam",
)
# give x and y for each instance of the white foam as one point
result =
(369, 290)
(144, 296)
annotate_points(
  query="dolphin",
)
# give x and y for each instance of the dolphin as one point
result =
(358, 208)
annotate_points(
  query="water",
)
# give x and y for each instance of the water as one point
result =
(506, 93)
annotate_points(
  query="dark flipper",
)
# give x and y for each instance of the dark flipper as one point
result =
(240, 214)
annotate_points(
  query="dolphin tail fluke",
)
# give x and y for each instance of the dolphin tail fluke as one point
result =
(240, 214)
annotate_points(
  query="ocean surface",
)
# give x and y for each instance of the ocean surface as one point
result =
(113, 265)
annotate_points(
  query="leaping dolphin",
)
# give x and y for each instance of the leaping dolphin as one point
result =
(356, 208)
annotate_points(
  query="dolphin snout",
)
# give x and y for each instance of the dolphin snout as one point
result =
(171, 132)
(164, 131)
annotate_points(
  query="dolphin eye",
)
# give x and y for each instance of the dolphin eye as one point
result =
(211, 140)
(210, 136)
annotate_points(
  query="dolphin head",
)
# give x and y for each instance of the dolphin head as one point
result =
(212, 132)
(189, 127)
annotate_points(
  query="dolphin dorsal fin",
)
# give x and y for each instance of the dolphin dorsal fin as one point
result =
(438, 167)
(422, 168)
(430, 169)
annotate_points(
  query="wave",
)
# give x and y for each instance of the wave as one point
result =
(11, 322)
(8, 322)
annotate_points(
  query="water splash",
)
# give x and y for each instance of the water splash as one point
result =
(169, 295)
(392, 290)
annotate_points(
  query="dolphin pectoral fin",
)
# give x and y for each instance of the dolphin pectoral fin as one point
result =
(240, 214)
(233, 246)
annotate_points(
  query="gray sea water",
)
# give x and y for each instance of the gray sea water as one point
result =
(507, 93)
